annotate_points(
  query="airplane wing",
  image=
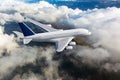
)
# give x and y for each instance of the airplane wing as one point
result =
(62, 43)
(47, 28)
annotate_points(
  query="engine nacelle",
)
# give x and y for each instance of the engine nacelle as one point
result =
(69, 47)
(72, 43)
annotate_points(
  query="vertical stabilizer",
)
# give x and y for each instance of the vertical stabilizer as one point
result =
(26, 30)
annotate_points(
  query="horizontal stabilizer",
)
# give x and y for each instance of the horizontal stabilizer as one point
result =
(26, 41)
(19, 34)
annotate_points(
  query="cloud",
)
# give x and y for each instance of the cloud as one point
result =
(12, 54)
(103, 23)
(23, 55)
(8, 43)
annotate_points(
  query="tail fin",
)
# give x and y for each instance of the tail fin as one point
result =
(25, 29)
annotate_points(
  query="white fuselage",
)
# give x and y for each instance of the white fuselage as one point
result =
(51, 36)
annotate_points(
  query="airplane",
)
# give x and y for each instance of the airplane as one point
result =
(61, 38)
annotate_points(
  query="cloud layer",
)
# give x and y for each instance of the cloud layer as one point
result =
(103, 23)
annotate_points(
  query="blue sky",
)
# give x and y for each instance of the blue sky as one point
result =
(32, 0)
(53, 0)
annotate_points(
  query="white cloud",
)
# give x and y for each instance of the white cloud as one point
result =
(103, 23)
(8, 43)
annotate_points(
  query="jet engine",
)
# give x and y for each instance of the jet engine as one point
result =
(72, 43)
(69, 47)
